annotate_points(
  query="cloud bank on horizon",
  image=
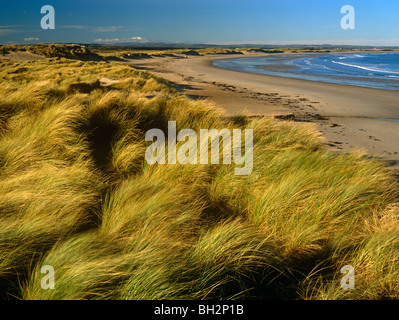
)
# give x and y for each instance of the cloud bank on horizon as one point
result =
(271, 22)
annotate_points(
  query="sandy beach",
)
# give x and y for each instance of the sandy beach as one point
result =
(349, 117)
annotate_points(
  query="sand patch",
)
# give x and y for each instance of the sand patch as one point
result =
(105, 82)
(21, 56)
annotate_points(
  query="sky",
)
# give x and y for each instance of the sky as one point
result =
(201, 21)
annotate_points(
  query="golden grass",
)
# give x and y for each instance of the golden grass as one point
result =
(77, 194)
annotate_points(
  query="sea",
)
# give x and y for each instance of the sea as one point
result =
(372, 70)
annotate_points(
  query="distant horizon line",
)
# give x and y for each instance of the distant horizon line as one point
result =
(213, 44)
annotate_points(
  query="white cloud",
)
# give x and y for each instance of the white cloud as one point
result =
(108, 29)
(106, 40)
(18, 28)
(96, 28)
(31, 39)
(13, 26)
(73, 27)
(122, 40)
(4, 32)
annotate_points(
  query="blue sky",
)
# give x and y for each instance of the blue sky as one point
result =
(201, 21)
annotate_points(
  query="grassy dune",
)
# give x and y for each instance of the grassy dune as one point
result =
(77, 194)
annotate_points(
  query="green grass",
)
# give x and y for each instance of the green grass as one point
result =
(77, 194)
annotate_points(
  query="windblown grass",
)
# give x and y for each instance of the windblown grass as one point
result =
(77, 194)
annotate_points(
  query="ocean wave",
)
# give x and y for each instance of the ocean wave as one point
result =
(373, 69)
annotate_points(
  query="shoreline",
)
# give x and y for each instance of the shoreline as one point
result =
(349, 117)
(277, 65)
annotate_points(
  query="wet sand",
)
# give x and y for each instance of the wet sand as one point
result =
(348, 116)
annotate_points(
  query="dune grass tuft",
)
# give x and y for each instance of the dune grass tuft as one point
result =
(77, 194)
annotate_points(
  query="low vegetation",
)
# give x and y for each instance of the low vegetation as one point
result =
(112, 53)
(78, 52)
(77, 194)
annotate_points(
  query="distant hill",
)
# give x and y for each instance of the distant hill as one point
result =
(69, 51)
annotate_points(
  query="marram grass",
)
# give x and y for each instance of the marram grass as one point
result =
(77, 194)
